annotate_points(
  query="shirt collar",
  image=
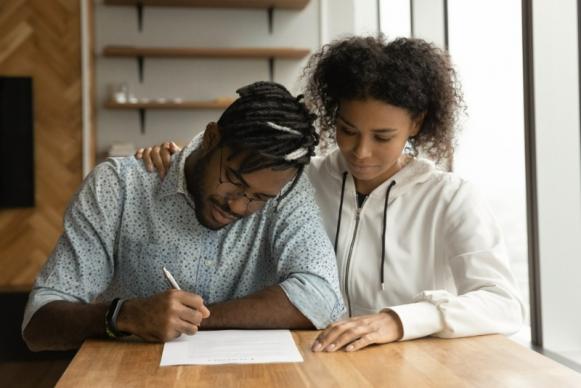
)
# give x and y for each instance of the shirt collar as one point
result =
(175, 180)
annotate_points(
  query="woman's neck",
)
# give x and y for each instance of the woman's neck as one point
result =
(366, 187)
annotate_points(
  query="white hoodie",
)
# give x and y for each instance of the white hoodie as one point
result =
(446, 270)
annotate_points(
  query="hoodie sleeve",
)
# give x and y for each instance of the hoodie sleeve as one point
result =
(487, 299)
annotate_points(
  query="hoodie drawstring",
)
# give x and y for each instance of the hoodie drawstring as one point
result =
(381, 269)
(340, 210)
(384, 232)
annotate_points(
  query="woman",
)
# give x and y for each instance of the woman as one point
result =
(418, 251)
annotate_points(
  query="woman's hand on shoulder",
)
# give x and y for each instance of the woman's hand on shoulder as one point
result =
(359, 332)
(158, 157)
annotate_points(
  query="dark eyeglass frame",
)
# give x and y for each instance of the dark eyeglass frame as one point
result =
(236, 192)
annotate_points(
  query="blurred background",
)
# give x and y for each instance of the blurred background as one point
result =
(81, 80)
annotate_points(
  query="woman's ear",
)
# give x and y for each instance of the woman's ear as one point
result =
(417, 124)
(211, 137)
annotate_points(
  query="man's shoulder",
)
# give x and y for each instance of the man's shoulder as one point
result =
(122, 169)
(301, 196)
(303, 187)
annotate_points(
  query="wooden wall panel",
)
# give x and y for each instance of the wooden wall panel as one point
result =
(42, 39)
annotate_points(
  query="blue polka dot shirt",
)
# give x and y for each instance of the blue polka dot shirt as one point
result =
(125, 224)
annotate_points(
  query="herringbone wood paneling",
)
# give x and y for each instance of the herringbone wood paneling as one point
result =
(42, 39)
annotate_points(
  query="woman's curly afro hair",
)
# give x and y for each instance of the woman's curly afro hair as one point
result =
(407, 73)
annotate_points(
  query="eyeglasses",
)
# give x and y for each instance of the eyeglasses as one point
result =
(235, 192)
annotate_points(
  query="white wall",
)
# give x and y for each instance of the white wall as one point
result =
(491, 142)
(365, 17)
(428, 21)
(556, 81)
(190, 78)
(396, 18)
(337, 19)
(340, 18)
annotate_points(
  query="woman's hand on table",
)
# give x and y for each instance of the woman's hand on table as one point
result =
(359, 332)
(158, 157)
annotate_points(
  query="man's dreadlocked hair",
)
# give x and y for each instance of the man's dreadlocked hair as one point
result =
(270, 127)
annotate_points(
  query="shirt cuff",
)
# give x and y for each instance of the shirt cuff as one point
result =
(418, 319)
(311, 296)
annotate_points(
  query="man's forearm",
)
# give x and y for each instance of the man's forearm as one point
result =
(64, 325)
(266, 309)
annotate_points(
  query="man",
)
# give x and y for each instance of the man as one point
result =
(234, 221)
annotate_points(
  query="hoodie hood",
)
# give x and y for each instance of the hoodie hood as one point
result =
(417, 171)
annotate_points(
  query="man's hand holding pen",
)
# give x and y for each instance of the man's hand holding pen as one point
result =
(165, 316)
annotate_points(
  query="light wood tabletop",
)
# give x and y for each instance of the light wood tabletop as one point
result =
(486, 361)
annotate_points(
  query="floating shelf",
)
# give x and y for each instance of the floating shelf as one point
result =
(142, 107)
(210, 52)
(261, 4)
(271, 54)
(269, 5)
(210, 104)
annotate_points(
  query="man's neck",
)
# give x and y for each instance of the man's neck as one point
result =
(190, 165)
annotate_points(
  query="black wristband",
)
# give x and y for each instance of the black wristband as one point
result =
(111, 319)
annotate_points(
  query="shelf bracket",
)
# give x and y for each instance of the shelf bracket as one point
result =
(142, 120)
(270, 15)
(140, 65)
(139, 7)
(271, 69)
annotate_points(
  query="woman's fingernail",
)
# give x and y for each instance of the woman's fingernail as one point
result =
(330, 347)
(350, 348)
(317, 346)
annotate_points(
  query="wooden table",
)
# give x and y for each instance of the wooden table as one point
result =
(487, 361)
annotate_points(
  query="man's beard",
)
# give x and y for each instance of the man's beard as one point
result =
(201, 199)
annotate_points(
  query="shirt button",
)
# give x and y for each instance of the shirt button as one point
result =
(208, 262)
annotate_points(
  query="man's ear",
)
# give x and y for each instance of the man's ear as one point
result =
(211, 137)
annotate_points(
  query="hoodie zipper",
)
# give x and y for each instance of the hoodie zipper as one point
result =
(349, 256)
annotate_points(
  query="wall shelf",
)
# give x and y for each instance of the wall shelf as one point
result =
(269, 5)
(185, 105)
(206, 52)
(142, 107)
(260, 4)
(270, 53)
(140, 53)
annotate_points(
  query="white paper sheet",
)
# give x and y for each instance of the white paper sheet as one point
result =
(231, 347)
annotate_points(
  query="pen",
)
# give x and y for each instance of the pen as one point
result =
(172, 282)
